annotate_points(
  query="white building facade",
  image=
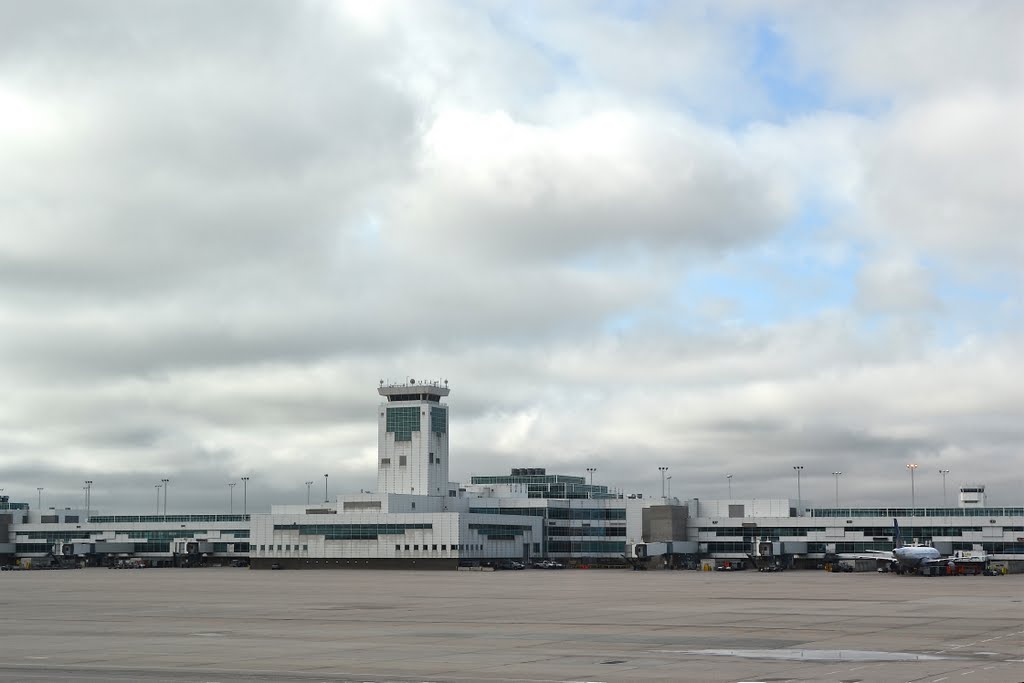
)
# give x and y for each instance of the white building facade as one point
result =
(49, 536)
(419, 519)
(412, 439)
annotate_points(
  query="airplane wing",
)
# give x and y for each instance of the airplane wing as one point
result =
(945, 561)
(884, 555)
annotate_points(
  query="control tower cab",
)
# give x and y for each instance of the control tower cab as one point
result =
(412, 439)
(972, 496)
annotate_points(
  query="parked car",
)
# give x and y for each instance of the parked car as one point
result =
(508, 564)
(276, 566)
(549, 564)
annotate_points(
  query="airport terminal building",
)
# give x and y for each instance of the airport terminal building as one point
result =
(47, 537)
(420, 519)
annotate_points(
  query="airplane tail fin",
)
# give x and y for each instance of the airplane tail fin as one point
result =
(897, 541)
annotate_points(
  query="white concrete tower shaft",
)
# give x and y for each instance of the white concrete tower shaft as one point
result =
(412, 439)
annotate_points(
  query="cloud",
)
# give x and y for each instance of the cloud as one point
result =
(179, 153)
(938, 94)
(621, 242)
(943, 175)
(895, 286)
(489, 184)
(908, 51)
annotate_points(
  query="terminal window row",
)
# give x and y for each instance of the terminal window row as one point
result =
(434, 546)
(556, 513)
(605, 531)
(137, 547)
(491, 528)
(138, 536)
(762, 531)
(348, 532)
(529, 479)
(616, 547)
(443, 546)
(906, 531)
(136, 519)
(918, 512)
(1007, 548)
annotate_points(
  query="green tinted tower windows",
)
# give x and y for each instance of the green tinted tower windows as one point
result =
(402, 422)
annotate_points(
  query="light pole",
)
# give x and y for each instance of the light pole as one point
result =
(669, 479)
(663, 470)
(943, 473)
(837, 475)
(158, 487)
(728, 478)
(309, 485)
(165, 495)
(245, 494)
(326, 499)
(40, 489)
(912, 466)
(231, 497)
(590, 471)
(88, 498)
(799, 495)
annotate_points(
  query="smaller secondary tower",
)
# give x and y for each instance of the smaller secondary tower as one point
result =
(972, 496)
(412, 439)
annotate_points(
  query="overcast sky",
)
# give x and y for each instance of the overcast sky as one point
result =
(718, 237)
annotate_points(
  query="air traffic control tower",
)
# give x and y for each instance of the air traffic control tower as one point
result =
(412, 439)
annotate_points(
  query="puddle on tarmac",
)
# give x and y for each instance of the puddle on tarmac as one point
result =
(817, 655)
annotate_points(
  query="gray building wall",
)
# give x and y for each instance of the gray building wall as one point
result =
(6, 547)
(664, 523)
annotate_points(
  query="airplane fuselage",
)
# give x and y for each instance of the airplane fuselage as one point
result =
(912, 556)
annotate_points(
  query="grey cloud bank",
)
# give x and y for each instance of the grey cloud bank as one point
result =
(221, 225)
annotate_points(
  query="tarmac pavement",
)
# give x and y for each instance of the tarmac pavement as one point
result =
(230, 624)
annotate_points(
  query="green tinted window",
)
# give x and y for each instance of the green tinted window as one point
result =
(349, 532)
(402, 422)
(439, 420)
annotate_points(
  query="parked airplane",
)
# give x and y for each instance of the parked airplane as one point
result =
(910, 557)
